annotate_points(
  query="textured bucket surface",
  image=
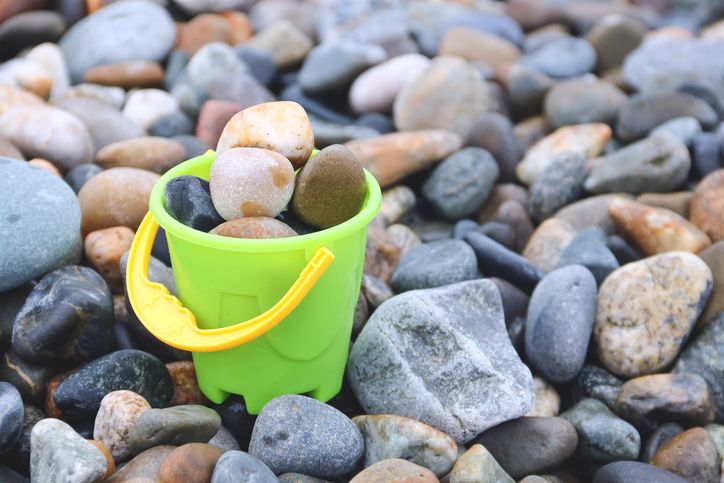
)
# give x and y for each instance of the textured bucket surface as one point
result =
(226, 281)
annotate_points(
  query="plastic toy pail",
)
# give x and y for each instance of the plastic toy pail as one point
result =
(263, 318)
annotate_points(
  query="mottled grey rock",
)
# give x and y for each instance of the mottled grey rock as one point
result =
(177, 425)
(11, 416)
(131, 30)
(684, 128)
(583, 100)
(39, 223)
(531, 444)
(68, 316)
(560, 319)
(705, 356)
(300, 434)
(602, 436)
(60, 455)
(560, 184)
(435, 264)
(594, 382)
(240, 467)
(644, 112)
(441, 356)
(562, 58)
(588, 248)
(335, 65)
(459, 185)
(658, 163)
(632, 471)
(672, 57)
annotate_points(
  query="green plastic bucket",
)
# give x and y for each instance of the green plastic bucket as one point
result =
(224, 282)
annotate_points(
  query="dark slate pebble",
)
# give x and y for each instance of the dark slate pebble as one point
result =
(28, 29)
(300, 434)
(192, 145)
(260, 63)
(515, 308)
(705, 153)
(313, 106)
(495, 260)
(188, 199)
(435, 264)
(501, 233)
(528, 445)
(30, 379)
(560, 184)
(11, 476)
(562, 58)
(21, 452)
(460, 185)
(644, 112)
(67, 317)
(11, 301)
(240, 467)
(588, 248)
(559, 323)
(705, 356)
(80, 394)
(78, 175)
(661, 435)
(494, 132)
(621, 249)
(11, 416)
(597, 383)
(170, 125)
(634, 472)
(236, 419)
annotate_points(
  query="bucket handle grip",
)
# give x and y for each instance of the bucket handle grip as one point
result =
(168, 320)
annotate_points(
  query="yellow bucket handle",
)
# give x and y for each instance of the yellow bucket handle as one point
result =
(169, 321)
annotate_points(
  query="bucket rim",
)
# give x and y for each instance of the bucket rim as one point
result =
(173, 227)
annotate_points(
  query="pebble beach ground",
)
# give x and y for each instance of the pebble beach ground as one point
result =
(543, 289)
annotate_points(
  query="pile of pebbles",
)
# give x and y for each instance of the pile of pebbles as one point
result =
(543, 289)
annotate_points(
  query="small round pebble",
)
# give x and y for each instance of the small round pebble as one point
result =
(330, 188)
(254, 227)
(250, 182)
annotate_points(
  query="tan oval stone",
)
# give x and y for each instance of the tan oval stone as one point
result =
(707, 205)
(28, 75)
(449, 94)
(258, 227)
(473, 44)
(403, 237)
(395, 471)
(287, 45)
(649, 400)
(185, 384)
(387, 437)
(691, 455)
(203, 29)
(587, 139)
(49, 133)
(45, 165)
(656, 230)
(281, 126)
(152, 153)
(190, 462)
(396, 203)
(547, 401)
(104, 249)
(646, 310)
(51, 58)
(128, 74)
(116, 416)
(547, 243)
(142, 468)
(382, 254)
(115, 197)
(478, 465)
(240, 25)
(391, 157)
(677, 202)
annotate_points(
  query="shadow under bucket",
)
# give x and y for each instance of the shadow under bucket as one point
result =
(263, 318)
